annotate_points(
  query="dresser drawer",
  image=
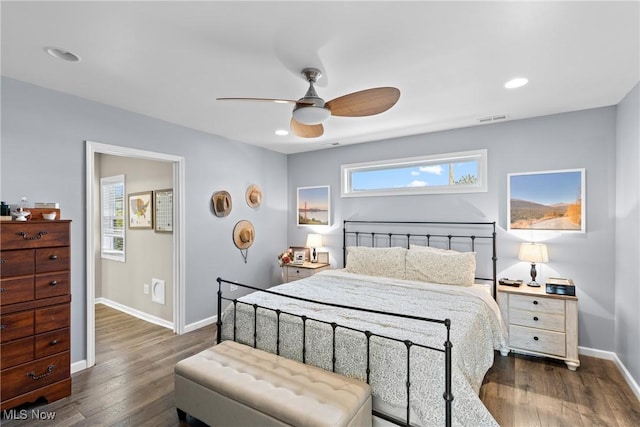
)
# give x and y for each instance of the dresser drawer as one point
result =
(34, 234)
(16, 352)
(30, 376)
(534, 303)
(534, 319)
(52, 318)
(52, 342)
(16, 290)
(52, 284)
(52, 259)
(17, 325)
(17, 263)
(537, 340)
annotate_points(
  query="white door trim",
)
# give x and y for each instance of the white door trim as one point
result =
(93, 148)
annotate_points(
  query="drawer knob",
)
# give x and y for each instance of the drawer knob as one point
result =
(53, 283)
(53, 257)
(54, 342)
(535, 338)
(535, 302)
(35, 377)
(2, 327)
(38, 236)
(2, 261)
(3, 289)
(535, 318)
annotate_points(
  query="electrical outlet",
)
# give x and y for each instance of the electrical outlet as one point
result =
(233, 288)
(146, 288)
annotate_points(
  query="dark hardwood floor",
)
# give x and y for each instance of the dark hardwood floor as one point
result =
(132, 384)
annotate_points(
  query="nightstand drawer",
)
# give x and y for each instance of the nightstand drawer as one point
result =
(294, 273)
(534, 303)
(534, 319)
(546, 342)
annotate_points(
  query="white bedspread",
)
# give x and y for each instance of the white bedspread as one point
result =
(476, 330)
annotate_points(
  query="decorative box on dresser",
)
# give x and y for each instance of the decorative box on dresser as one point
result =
(293, 272)
(541, 324)
(35, 316)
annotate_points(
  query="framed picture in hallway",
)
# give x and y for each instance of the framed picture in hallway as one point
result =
(141, 210)
(549, 200)
(314, 206)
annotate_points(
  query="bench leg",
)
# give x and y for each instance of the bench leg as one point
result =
(182, 416)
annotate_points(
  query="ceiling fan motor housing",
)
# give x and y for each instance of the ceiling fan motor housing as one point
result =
(311, 109)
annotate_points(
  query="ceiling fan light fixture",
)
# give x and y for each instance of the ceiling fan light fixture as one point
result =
(311, 114)
(516, 83)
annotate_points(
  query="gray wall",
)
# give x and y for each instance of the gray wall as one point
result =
(148, 254)
(627, 265)
(43, 134)
(584, 139)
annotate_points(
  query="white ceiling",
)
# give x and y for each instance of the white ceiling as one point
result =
(450, 60)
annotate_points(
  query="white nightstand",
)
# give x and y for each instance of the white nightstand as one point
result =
(541, 324)
(293, 272)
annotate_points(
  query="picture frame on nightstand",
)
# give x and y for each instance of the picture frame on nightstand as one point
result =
(323, 257)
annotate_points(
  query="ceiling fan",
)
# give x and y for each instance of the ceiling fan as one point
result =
(311, 111)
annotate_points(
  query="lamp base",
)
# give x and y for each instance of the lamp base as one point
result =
(533, 284)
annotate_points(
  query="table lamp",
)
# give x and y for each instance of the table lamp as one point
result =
(533, 252)
(314, 241)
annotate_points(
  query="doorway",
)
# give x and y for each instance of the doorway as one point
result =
(93, 149)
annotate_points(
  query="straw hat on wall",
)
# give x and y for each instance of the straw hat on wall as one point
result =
(254, 196)
(221, 203)
(243, 234)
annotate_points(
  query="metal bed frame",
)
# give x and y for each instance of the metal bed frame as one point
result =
(446, 347)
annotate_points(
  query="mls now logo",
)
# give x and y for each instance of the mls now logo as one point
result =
(23, 414)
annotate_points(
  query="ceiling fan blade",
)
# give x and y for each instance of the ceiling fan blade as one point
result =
(306, 131)
(276, 100)
(364, 103)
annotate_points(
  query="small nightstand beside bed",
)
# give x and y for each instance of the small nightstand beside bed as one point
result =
(382, 321)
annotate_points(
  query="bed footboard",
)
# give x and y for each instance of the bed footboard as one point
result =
(446, 349)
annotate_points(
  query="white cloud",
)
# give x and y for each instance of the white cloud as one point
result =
(418, 183)
(436, 170)
(415, 173)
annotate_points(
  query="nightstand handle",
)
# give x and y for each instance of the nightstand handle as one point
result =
(535, 302)
(535, 338)
(535, 318)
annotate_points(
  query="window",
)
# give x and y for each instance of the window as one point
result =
(112, 221)
(463, 172)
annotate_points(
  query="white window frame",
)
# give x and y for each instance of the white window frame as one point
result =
(481, 186)
(112, 254)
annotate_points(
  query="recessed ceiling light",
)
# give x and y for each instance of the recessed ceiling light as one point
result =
(517, 82)
(282, 132)
(65, 55)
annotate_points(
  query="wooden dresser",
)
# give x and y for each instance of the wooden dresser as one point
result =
(35, 282)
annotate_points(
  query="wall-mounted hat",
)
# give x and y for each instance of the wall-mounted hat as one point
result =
(243, 234)
(254, 196)
(221, 203)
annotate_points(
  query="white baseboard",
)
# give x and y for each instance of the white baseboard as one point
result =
(200, 324)
(135, 313)
(609, 355)
(78, 366)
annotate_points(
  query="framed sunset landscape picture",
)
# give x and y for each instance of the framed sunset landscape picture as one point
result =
(549, 200)
(313, 205)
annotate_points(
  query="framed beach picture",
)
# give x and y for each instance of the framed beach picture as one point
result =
(141, 210)
(313, 205)
(550, 200)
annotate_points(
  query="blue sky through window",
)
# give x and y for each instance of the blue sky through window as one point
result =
(426, 175)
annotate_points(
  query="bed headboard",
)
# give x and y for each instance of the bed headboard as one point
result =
(479, 237)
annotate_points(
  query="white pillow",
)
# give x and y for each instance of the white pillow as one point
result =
(429, 248)
(385, 262)
(441, 266)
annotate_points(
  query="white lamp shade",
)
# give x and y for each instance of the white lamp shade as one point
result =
(314, 240)
(533, 252)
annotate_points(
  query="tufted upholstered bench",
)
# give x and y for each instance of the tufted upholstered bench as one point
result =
(232, 384)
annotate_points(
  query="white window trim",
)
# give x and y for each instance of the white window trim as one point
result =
(481, 155)
(119, 256)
